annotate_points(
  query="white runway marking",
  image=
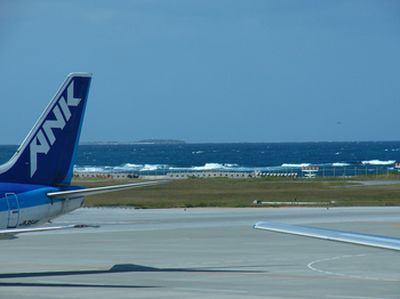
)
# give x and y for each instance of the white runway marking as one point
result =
(356, 297)
(312, 267)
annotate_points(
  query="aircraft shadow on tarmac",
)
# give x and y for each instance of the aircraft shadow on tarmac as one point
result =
(115, 269)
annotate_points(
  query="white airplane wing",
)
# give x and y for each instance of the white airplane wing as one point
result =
(98, 190)
(13, 231)
(332, 235)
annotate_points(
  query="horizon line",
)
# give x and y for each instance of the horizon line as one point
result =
(213, 142)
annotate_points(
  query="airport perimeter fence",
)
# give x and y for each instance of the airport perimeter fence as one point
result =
(345, 172)
(299, 172)
(349, 171)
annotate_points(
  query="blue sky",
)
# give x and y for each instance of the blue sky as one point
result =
(207, 71)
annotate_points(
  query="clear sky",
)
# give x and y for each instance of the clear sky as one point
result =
(207, 70)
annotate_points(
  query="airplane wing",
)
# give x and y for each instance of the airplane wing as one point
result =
(13, 231)
(98, 190)
(332, 235)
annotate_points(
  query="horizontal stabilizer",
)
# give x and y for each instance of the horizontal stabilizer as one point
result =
(13, 231)
(98, 190)
(332, 235)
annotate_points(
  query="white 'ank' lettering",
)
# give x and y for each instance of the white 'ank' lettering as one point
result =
(39, 143)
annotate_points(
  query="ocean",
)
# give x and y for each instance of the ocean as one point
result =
(332, 158)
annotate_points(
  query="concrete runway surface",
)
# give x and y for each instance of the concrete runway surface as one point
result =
(202, 253)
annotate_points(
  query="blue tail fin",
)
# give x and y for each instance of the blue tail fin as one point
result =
(47, 154)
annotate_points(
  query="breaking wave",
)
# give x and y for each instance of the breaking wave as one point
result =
(378, 162)
(129, 167)
(340, 164)
(289, 165)
(208, 166)
(197, 152)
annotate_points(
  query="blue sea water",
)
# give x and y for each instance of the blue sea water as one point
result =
(161, 158)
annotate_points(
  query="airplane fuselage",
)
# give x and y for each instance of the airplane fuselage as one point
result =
(23, 205)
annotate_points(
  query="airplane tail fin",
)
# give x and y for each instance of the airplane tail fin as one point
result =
(47, 154)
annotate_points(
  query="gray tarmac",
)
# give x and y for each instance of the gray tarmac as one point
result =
(202, 253)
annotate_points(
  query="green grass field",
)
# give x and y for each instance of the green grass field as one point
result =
(222, 192)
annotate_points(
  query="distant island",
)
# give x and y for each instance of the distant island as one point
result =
(142, 141)
(159, 141)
